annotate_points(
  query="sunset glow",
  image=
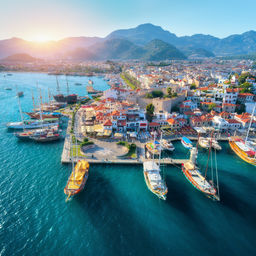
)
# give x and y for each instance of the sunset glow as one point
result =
(41, 38)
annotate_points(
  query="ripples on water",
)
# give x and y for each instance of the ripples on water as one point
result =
(116, 214)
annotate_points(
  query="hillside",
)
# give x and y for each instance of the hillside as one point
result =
(20, 57)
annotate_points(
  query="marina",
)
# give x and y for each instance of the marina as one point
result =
(115, 192)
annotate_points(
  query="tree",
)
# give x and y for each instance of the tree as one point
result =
(212, 106)
(240, 108)
(150, 112)
(192, 87)
(169, 91)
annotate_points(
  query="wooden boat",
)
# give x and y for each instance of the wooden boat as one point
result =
(77, 179)
(194, 176)
(36, 115)
(243, 150)
(49, 136)
(153, 179)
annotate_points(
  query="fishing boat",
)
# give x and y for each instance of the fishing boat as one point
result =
(186, 142)
(77, 179)
(167, 145)
(153, 178)
(244, 148)
(49, 136)
(204, 142)
(199, 181)
(33, 124)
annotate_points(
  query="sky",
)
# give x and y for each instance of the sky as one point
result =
(39, 20)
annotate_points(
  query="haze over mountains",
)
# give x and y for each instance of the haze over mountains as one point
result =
(145, 42)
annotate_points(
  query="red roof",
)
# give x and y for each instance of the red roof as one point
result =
(108, 123)
(154, 124)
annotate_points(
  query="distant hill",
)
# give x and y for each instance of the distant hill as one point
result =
(20, 57)
(157, 50)
(122, 49)
(131, 43)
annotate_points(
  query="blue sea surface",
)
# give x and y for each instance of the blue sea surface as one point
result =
(115, 214)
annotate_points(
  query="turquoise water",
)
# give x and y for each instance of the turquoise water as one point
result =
(116, 214)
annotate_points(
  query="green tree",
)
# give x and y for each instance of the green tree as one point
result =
(211, 106)
(169, 91)
(150, 112)
(192, 87)
(240, 108)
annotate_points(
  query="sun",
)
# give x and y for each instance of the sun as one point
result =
(41, 38)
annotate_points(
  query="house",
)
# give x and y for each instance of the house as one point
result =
(233, 124)
(245, 97)
(220, 123)
(174, 124)
(229, 107)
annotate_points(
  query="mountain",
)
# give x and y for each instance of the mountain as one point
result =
(20, 57)
(196, 52)
(157, 50)
(132, 43)
(143, 34)
(122, 49)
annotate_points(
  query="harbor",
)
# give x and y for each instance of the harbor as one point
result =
(114, 193)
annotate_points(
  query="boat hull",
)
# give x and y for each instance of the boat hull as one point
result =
(189, 177)
(189, 146)
(241, 154)
(160, 195)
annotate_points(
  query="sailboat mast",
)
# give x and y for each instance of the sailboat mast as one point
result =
(58, 86)
(210, 149)
(160, 149)
(33, 99)
(154, 146)
(250, 124)
(21, 114)
(67, 85)
(49, 95)
(41, 116)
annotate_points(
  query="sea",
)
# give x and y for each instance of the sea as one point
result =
(115, 214)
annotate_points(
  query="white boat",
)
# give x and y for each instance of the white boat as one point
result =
(32, 124)
(167, 145)
(204, 142)
(154, 180)
(186, 142)
(216, 145)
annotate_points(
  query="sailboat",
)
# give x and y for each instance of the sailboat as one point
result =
(197, 179)
(153, 179)
(77, 178)
(245, 149)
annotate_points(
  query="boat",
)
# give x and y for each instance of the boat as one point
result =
(25, 135)
(167, 145)
(194, 176)
(216, 145)
(204, 142)
(90, 82)
(77, 179)
(49, 136)
(186, 142)
(8, 88)
(37, 115)
(9, 74)
(153, 148)
(20, 94)
(78, 84)
(152, 176)
(33, 124)
(69, 99)
(91, 90)
(153, 179)
(244, 148)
